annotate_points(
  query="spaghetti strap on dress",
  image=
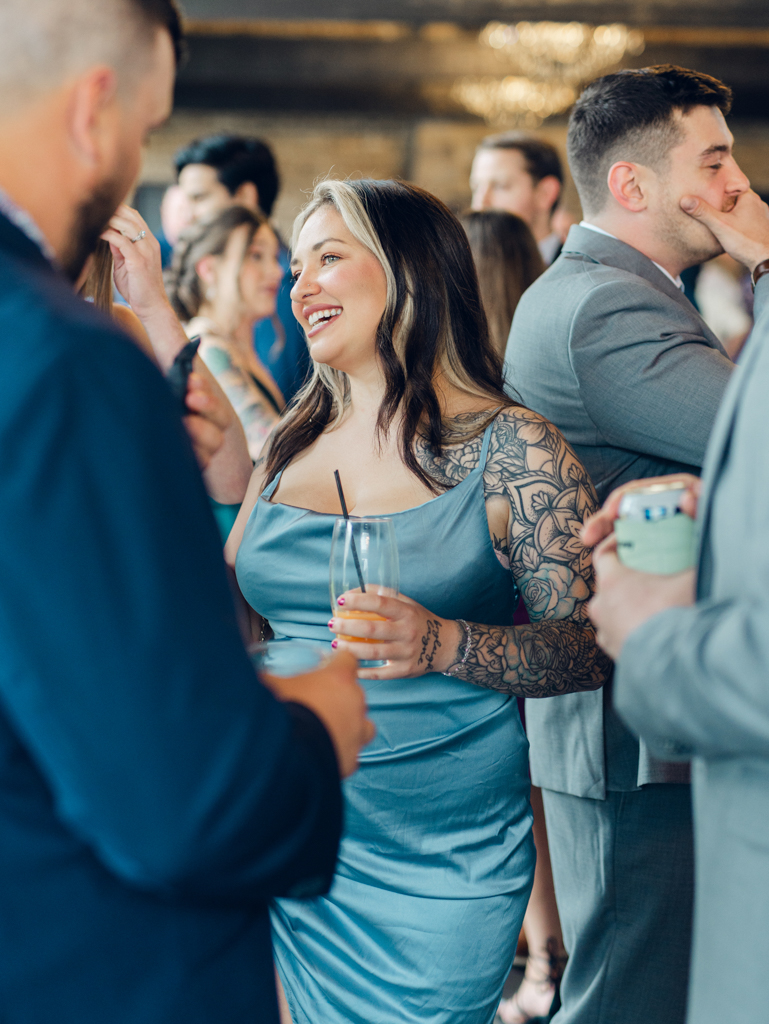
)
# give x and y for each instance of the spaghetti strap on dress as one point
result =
(436, 862)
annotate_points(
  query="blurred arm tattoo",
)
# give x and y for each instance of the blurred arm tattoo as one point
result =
(547, 495)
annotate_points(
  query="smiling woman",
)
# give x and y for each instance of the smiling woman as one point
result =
(487, 500)
(224, 277)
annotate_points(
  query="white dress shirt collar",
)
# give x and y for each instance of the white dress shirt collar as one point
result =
(676, 280)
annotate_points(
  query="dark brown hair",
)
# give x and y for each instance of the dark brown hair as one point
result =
(433, 322)
(207, 238)
(507, 259)
(540, 156)
(630, 116)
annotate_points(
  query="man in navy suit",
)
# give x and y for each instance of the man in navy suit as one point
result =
(153, 794)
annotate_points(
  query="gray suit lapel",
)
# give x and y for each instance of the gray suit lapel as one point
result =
(614, 253)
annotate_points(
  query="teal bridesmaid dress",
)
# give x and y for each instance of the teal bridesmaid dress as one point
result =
(437, 860)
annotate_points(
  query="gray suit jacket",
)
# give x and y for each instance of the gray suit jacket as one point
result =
(695, 683)
(607, 348)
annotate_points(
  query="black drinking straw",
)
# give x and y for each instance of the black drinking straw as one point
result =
(346, 514)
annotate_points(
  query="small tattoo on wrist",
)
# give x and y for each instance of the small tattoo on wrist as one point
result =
(430, 644)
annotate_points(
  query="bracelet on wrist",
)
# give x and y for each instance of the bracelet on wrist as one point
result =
(760, 271)
(468, 640)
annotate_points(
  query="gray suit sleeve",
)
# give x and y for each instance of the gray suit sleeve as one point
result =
(693, 681)
(648, 380)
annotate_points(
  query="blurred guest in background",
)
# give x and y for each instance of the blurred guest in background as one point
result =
(507, 260)
(129, 255)
(724, 299)
(522, 174)
(607, 347)
(224, 170)
(224, 276)
(175, 216)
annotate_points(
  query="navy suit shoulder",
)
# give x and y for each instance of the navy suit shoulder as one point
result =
(153, 795)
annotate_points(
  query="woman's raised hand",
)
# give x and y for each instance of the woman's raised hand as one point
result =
(138, 264)
(408, 637)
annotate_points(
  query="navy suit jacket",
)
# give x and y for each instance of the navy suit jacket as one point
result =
(153, 794)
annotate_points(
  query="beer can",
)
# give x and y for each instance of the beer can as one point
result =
(653, 534)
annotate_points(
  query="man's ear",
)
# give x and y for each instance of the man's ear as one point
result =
(626, 183)
(93, 116)
(247, 194)
(547, 192)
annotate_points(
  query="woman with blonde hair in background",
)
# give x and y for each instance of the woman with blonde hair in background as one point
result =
(407, 402)
(224, 276)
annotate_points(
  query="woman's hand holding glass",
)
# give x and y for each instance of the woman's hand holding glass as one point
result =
(409, 638)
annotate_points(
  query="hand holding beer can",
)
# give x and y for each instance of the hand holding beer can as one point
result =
(653, 534)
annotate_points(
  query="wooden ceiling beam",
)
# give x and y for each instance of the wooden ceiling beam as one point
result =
(394, 31)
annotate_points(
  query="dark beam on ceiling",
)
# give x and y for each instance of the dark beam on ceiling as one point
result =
(408, 76)
(697, 13)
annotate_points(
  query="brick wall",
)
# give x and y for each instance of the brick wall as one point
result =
(435, 154)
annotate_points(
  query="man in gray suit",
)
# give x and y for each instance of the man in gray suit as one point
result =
(693, 676)
(606, 346)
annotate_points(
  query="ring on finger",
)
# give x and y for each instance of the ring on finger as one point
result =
(142, 234)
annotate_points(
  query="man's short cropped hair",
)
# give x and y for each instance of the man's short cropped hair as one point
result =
(164, 14)
(236, 160)
(540, 157)
(630, 115)
(45, 42)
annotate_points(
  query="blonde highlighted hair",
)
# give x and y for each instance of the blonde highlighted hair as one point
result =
(433, 323)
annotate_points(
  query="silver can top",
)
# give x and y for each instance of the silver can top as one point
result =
(657, 501)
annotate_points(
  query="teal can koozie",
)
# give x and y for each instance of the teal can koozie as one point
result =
(653, 534)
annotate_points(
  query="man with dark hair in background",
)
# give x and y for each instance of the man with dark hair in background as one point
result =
(223, 170)
(154, 795)
(522, 174)
(606, 346)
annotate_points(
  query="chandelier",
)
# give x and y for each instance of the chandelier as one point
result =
(551, 60)
(513, 99)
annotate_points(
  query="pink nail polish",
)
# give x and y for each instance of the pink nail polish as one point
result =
(340, 600)
(331, 624)
(335, 644)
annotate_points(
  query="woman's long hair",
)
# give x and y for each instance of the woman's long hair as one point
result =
(98, 284)
(207, 238)
(433, 323)
(507, 259)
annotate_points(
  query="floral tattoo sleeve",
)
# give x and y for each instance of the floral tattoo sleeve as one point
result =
(537, 496)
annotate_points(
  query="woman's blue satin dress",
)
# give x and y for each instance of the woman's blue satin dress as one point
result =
(437, 859)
